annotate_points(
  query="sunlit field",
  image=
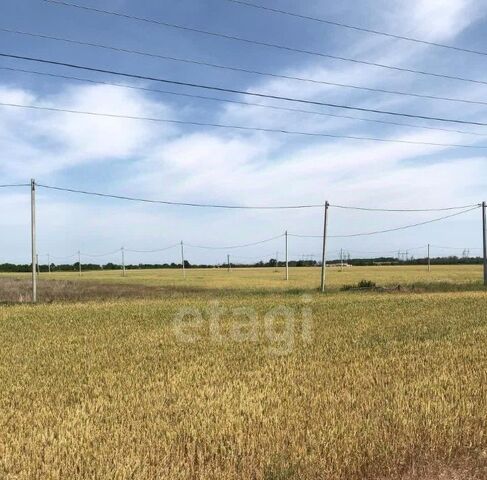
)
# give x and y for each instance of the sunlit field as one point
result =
(242, 375)
(306, 278)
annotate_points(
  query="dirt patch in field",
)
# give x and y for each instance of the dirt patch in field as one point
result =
(13, 290)
(471, 469)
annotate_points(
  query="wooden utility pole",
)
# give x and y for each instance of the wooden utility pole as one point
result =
(287, 258)
(484, 235)
(323, 254)
(182, 258)
(228, 263)
(123, 261)
(33, 238)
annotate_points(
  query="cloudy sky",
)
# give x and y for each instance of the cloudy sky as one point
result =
(186, 163)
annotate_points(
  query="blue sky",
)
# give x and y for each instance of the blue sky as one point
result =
(203, 164)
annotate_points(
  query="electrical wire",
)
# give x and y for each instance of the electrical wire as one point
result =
(184, 204)
(240, 127)
(53, 257)
(237, 69)
(367, 209)
(389, 229)
(240, 92)
(231, 247)
(100, 254)
(261, 43)
(238, 102)
(15, 185)
(360, 29)
(210, 205)
(256, 257)
(456, 248)
(383, 251)
(153, 251)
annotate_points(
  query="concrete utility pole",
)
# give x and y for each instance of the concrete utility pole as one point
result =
(484, 234)
(79, 262)
(287, 258)
(33, 238)
(123, 261)
(228, 262)
(323, 254)
(182, 258)
(429, 259)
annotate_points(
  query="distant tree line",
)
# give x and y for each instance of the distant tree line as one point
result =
(452, 260)
(74, 267)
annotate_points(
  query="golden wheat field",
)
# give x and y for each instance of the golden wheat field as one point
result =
(237, 376)
(273, 279)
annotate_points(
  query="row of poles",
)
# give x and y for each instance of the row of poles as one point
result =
(323, 255)
(228, 262)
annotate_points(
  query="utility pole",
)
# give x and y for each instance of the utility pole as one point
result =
(228, 263)
(287, 258)
(323, 254)
(429, 259)
(182, 258)
(123, 261)
(33, 238)
(79, 262)
(341, 259)
(484, 232)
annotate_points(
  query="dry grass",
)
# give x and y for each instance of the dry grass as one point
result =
(161, 283)
(388, 387)
(19, 290)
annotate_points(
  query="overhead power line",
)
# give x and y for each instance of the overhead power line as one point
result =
(15, 185)
(381, 252)
(60, 258)
(240, 92)
(261, 43)
(355, 27)
(239, 102)
(230, 247)
(183, 204)
(239, 127)
(157, 250)
(210, 205)
(101, 254)
(367, 209)
(456, 248)
(254, 257)
(364, 234)
(239, 69)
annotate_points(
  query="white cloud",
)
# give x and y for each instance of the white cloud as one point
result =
(226, 166)
(42, 142)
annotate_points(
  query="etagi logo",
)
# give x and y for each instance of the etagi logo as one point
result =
(280, 328)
